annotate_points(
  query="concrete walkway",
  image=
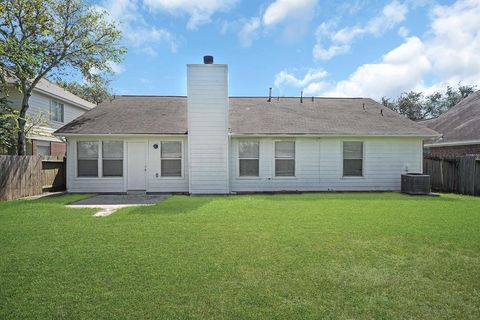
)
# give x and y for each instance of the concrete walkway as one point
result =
(109, 203)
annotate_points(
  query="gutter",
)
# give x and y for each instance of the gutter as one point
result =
(448, 144)
(329, 135)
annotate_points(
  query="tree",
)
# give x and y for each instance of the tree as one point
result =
(40, 38)
(417, 106)
(95, 91)
(8, 126)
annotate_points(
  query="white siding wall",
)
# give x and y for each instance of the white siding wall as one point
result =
(165, 184)
(154, 183)
(40, 104)
(207, 87)
(319, 165)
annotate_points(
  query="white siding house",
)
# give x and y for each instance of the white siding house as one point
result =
(210, 143)
(55, 107)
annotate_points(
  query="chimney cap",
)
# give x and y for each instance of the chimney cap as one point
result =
(208, 59)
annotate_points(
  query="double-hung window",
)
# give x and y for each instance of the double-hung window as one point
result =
(352, 159)
(56, 111)
(171, 158)
(112, 158)
(87, 158)
(285, 158)
(248, 158)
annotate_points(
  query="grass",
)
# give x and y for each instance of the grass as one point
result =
(308, 256)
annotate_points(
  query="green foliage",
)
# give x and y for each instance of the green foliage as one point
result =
(40, 38)
(95, 90)
(303, 256)
(418, 106)
(8, 126)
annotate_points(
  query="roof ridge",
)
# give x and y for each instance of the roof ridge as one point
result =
(237, 97)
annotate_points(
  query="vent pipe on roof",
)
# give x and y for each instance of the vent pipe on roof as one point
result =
(363, 106)
(278, 98)
(313, 98)
(269, 94)
(301, 96)
(208, 59)
(381, 112)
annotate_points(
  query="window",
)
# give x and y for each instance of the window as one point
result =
(56, 111)
(248, 157)
(285, 158)
(112, 158)
(171, 159)
(87, 158)
(353, 159)
(43, 148)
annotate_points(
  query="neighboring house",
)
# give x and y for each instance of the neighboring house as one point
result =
(208, 143)
(55, 107)
(459, 127)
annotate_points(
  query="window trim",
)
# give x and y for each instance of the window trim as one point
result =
(238, 160)
(101, 160)
(98, 159)
(274, 175)
(53, 101)
(363, 160)
(182, 159)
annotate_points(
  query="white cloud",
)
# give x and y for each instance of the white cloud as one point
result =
(199, 11)
(401, 69)
(115, 67)
(249, 31)
(135, 29)
(281, 10)
(309, 82)
(403, 32)
(391, 15)
(449, 53)
(321, 53)
(293, 16)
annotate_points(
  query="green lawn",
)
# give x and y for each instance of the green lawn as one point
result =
(334, 256)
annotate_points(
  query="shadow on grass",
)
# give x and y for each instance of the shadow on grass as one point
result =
(357, 196)
(175, 205)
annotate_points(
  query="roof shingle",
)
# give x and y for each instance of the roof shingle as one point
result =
(248, 115)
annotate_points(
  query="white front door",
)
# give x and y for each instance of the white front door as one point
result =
(137, 165)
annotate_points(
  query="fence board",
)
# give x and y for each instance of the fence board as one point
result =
(457, 175)
(22, 176)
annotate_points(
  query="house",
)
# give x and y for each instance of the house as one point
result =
(54, 107)
(460, 129)
(210, 143)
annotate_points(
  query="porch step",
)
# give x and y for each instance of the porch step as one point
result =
(137, 192)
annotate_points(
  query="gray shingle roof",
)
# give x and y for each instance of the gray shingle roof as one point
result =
(248, 115)
(460, 123)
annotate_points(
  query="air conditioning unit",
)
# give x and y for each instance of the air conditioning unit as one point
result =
(416, 184)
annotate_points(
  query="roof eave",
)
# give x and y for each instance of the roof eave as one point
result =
(453, 143)
(423, 136)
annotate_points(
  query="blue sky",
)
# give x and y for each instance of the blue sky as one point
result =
(326, 48)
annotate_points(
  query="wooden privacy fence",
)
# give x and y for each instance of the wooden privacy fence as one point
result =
(22, 176)
(457, 175)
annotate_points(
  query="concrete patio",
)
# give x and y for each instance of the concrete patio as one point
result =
(109, 203)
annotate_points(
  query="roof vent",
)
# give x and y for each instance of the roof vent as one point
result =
(208, 59)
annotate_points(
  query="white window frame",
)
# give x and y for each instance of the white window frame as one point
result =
(294, 159)
(239, 158)
(52, 102)
(101, 159)
(363, 160)
(44, 144)
(182, 166)
(99, 150)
